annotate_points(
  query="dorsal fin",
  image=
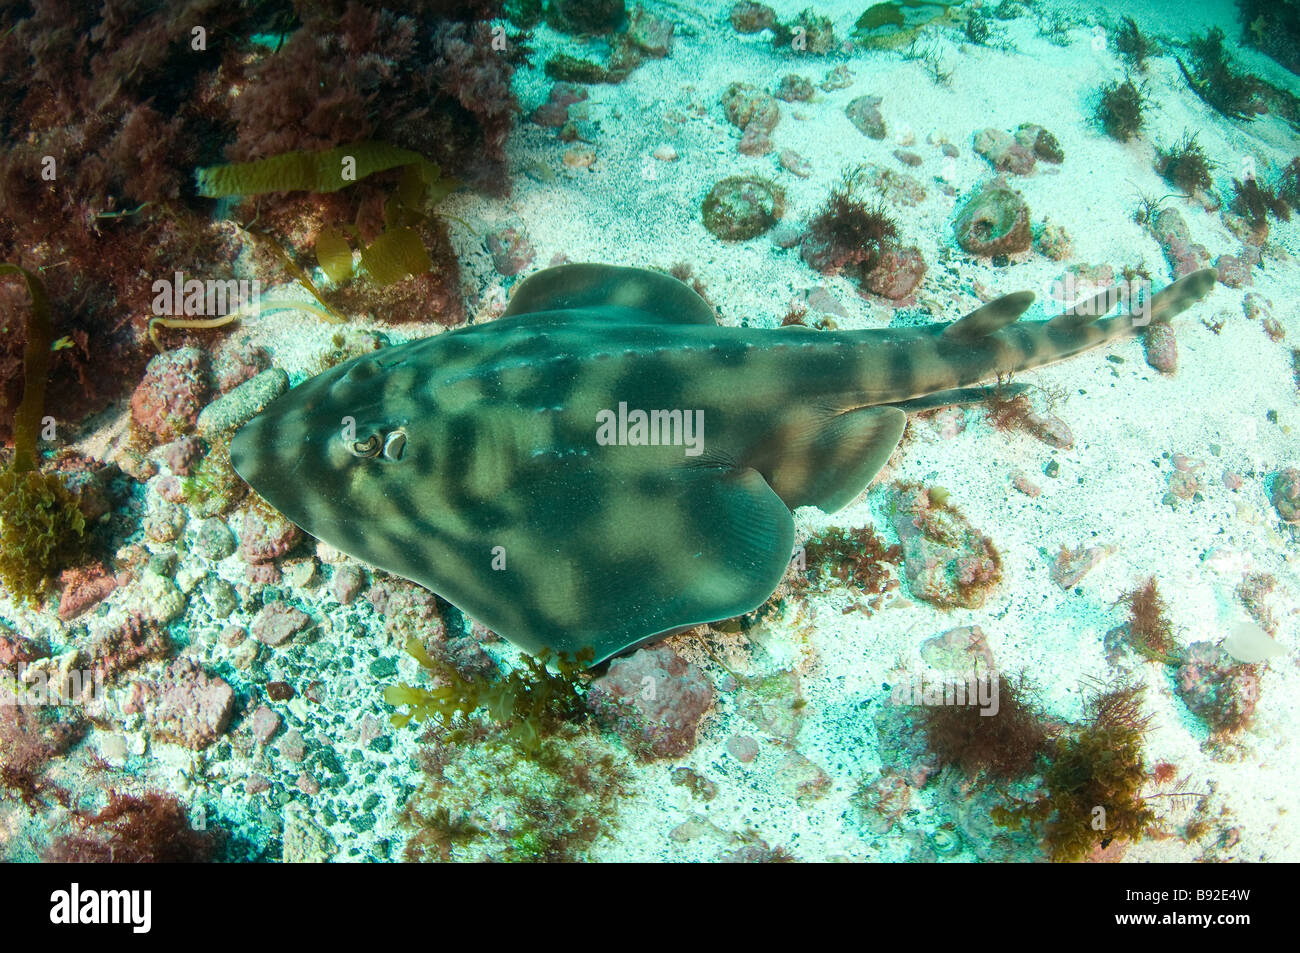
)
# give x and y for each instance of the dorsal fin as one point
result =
(1086, 312)
(996, 314)
(654, 297)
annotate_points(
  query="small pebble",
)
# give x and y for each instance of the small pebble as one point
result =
(1025, 485)
(347, 583)
(743, 748)
(265, 724)
(292, 746)
(580, 157)
(232, 635)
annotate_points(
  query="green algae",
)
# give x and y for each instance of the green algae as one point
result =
(41, 523)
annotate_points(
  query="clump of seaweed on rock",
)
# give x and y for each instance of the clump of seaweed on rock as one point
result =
(1000, 747)
(150, 829)
(849, 233)
(1185, 165)
(1148, 630)
(531, 700)
(1092, 782)
(857, 558)
(1120, 109)
(1132, 45)
(481, 802)
(42, 527)
(1213, 78)
(1255, 203)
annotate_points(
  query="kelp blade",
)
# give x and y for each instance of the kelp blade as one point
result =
(305, 171)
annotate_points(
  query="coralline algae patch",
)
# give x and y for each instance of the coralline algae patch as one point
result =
(243, 667)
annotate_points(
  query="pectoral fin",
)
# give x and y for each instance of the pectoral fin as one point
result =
(604, 562)
(830, 463)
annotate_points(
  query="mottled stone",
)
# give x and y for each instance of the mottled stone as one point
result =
(279, 622)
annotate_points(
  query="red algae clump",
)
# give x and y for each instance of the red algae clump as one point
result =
(654, 699)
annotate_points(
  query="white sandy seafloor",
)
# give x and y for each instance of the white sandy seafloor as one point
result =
(631, 208)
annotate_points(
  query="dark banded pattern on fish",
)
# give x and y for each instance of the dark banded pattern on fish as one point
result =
(469, 461)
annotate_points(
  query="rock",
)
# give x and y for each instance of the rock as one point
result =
(347, 583)
(748, 17)
(166, 403)
(1071, 565)
(232, 635)
(1285, 494)
(654, 699)
(215, 541)
(265, 724)
(897, 273)
(963, 650)
(794, 163)
(1255, 306)
(181, 454)
(219, 595)
(579, 157)
(186, 705)
(1020, 480)
(301, 573)
(794, 89)
(742, 207)
(1233, 271)
(555, 111)
(1050, 429)
(1184, 255)
(743, 748)
(945, 560)
(162, 599)
(754, 142)
(232, 410)
(237, 362)
(163, 521)
(1041, 142)
(304, 842)
(1004, 152)
(135, 640)
(801, 779)
(651, 34)
(907, 158)
(995, 221)
(896, 187)
(1055, 242)
(279, 622)
(265, 535)
(1161, 347)
(775, 704)
(293, 747)
(746, 106)
(83, 589)
(864, 113)
(822, 301)
(1217, 688)
(838, 77)
(511, 250)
